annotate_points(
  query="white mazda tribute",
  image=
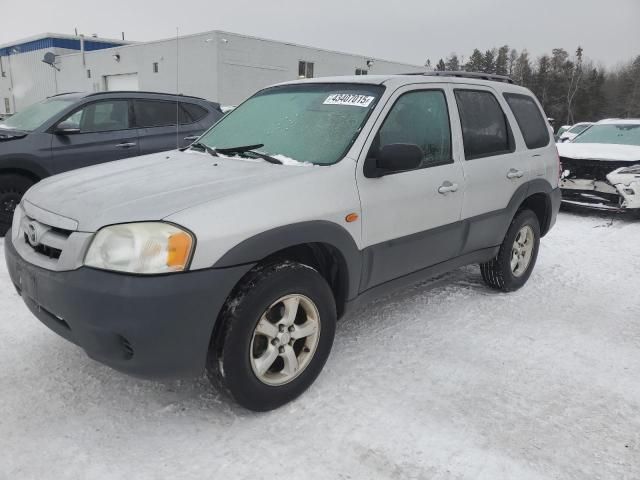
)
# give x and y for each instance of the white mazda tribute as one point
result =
(239, 253)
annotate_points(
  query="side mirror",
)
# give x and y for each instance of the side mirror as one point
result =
(396, 157)
(66, 128)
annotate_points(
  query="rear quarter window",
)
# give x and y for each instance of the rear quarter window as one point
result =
(530, 120)
(195, 112)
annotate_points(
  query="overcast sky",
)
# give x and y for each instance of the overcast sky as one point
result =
(404, 30)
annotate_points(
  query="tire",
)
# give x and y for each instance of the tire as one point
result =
(12, 188)
(499, 273)
(238, 351)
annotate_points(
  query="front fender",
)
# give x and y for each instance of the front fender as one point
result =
(267, 243)
(23, 163)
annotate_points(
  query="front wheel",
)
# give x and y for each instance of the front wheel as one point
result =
(513, 265)
(276, 334)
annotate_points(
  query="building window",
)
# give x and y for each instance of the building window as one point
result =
(2, 72)
(88, 73)
(362, 71)
(155, 67)
(305, 69)
(7, 107)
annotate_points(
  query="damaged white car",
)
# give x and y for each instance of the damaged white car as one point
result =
(601, 167)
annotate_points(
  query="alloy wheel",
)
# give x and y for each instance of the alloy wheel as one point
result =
(285, 339)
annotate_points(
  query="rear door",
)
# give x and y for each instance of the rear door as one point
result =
(411, 219)
(105, 134)
(494, 166)
(536, 135)
(164, 125)
(196, 119)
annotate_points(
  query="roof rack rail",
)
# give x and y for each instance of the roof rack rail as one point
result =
(144, 92)
(462, 74)
(61, 93)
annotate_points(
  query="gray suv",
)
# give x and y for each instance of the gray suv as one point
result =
(76, 130)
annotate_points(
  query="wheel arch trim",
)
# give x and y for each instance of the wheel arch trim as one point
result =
(23, 166)
(264, 244)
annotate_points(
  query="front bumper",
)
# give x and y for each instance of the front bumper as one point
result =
(614, 190)
(148, 326)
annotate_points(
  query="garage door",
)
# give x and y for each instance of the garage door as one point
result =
(127, 81)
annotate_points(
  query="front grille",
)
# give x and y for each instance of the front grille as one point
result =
(50, 252)
(44, 239)
(590, 169)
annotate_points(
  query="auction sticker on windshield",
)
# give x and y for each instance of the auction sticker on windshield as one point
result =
(349, 99)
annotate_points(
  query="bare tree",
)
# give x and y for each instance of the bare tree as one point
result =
(574, 85)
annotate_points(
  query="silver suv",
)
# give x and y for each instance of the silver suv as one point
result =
(239, 253)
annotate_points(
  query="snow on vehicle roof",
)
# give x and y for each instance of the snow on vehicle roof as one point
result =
(619, 121)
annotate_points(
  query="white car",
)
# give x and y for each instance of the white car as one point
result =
(601, 167)
(572, 132)
(240, 253)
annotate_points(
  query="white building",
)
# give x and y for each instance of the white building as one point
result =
(25, 79)
(219, 66)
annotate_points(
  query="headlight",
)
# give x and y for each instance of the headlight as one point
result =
(143, 248)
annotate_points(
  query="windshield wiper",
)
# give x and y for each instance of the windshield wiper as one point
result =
(250, 149)
(206, 148)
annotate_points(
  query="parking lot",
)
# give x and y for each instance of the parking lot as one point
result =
(445, 380)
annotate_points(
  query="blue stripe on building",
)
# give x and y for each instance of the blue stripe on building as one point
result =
(51, 42)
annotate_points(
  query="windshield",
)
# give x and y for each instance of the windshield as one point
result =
(620, 134)
(314, 122)
(32, 117)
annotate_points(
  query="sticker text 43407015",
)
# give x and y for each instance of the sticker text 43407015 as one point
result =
(349, 99)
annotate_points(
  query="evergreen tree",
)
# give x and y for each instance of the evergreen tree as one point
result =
(441, 66)
(452, 63)
(475, 63)
(489, 61)
(542, 80)
(570, 88)
(502, 61)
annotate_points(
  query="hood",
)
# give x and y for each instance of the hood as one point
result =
(11, 134)
(152, 187)
(600, 151)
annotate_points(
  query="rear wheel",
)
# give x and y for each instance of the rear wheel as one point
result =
(513, 265)
(12, 188)
(276, 334)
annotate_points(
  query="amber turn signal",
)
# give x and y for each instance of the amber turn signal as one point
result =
(178, 250)
(352, 217)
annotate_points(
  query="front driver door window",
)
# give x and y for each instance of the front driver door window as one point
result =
(105, 135)
(104, 117)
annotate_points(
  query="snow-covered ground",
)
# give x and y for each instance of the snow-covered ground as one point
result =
(446, 380)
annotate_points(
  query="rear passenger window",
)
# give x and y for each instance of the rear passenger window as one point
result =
(420, 118)
(153, 113)
(194, 112)
(532, 125)
(485, 130)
